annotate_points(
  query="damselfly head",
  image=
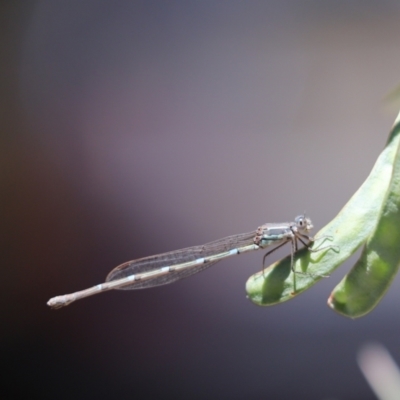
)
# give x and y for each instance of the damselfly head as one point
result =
(303, 223)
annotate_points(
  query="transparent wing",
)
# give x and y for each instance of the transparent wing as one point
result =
(176, 257)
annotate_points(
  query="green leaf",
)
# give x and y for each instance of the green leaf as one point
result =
(349, 230)
(362, 289)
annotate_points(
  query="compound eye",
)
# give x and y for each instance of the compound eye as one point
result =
(303, 223)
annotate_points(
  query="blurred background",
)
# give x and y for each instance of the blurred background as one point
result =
(131, 128)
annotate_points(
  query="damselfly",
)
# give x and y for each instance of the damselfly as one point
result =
(169, 267)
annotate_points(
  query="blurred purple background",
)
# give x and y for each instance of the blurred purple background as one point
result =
(133, 128)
